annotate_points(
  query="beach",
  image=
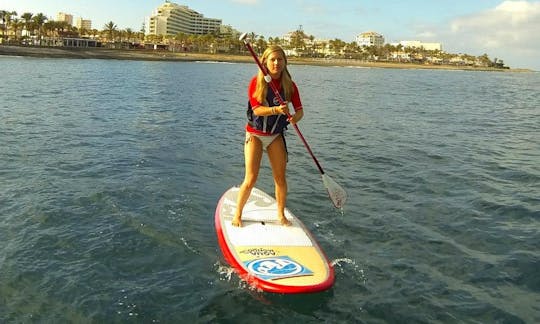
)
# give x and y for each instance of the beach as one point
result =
(163, 55)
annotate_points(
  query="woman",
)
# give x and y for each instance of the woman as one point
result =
(267, 120)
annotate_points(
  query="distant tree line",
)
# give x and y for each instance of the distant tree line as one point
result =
(33, 29)
(38, 28)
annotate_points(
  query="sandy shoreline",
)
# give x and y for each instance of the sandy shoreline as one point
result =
(150, 55)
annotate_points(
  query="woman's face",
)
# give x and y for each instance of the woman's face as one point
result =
(275, 63)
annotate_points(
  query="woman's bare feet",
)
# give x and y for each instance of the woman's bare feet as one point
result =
(237, 221)
(284, 221)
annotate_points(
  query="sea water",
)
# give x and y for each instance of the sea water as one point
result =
(111, 171)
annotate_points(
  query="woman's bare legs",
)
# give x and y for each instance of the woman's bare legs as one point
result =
(252, 157)
(278, 160)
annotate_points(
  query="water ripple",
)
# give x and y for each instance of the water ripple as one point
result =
(110, 180)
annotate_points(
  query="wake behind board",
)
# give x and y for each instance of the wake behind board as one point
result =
(268, 255)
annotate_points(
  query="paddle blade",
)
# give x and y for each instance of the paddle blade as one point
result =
(336, 193)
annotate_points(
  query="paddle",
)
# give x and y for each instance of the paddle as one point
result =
(336, 193)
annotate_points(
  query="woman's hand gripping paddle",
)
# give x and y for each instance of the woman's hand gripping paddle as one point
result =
(335, 191)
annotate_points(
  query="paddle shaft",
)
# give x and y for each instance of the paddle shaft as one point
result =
(268, 79)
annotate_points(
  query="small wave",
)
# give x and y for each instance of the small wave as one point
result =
(192, 249)
(354, 67)
(214, 62)
(225, 272)
(228, 274)
(342, 264)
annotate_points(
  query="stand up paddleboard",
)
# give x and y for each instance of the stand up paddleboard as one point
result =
(266, 254)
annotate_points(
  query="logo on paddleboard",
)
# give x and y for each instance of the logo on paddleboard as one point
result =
(276, 268)
(259, 252)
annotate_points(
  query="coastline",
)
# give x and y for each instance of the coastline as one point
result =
(160, 55)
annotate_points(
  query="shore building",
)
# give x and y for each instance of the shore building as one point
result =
(62, 16)
(171, 19)
(83, 24)
(370, 39)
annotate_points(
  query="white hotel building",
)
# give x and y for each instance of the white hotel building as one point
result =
(171, 19)
(62, 16)
(83, 24)
(370, 39)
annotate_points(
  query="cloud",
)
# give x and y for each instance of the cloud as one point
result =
(510, 23)
(508, 30)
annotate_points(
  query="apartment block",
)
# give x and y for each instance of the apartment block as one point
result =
(62, 16)
(370, 39)
(83, 24)
(171, 19)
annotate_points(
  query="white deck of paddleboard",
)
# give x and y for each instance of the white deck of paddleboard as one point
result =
(260, 225)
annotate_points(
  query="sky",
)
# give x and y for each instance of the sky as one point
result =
(503, 29)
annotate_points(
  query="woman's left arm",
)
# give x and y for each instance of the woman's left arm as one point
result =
(297, 116)
(297, 104)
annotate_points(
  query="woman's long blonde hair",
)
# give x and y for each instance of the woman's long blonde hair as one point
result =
(286, 80)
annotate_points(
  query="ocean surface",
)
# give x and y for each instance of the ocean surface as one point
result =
(110, 172)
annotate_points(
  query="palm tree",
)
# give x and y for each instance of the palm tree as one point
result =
(374, 52)
(64, 28)
(155, 39)
(298, 42)
(194, 41)
(337, 46)
(83, 31)
(252, 36)
(15, 25)
(140, 36)
(321, 48)
(28, 24)
(3, 15)
(94, 32)
(312, 43)
(260, 44)
(129, 34)
(387, 51)
(110, 28)
(121, 34)
(209, 41)
(39, 20)
(7, 19)
(27, 17)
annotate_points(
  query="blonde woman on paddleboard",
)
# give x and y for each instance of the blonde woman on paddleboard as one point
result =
(267, 120)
